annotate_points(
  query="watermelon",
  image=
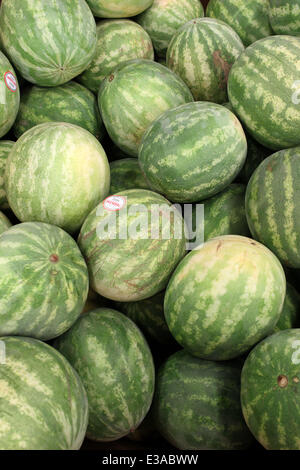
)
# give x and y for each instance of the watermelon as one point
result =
(70, 103)
(182, 162)
(272, 207)
(164, 17)
(290, 315)
(56, 173)
(270, 387)
(267, 104)
(118, 8)
(4, 223)
(117, 41)
(224, 297)
(5, 148)
(115, 364)
(43, 281)
(197, 404)
(126, 174)
(284, 16)
(43, 404)
(132, 242)
(10, 95)
(133, 96)
(224, 214)
(148, 314)
(249, 19)
(202, 52)
(58, 38)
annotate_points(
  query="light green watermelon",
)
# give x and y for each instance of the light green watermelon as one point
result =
(290, 315)
(9, 94)
(5, 148)
(197, 404)
(264, 91)
(4, 223)
(224, 297)
(164, 17)
(43, 281)
(284, 16)
(132, 242)
(202, 53)
(56, 173)
(118, 8)
(193, 152)
(272, 205)
(249, 19)
(126, 174)
(117, 41)
(70, 103)
(270, 389)
(115, 364)
(58, 38)
(43, 404)
(133, 96)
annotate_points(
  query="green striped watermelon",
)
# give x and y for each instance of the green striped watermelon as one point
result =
(115, 364)
(118, 8)
(224, 297)
(132, 243)
(264, 91)
(58, 38)
(43, 281)
(290, 315)
(70, 103)
(202, 52)
(197, 404)
(133, 96)
(5, 148)
(56, 173)
(117, 41)
(4, 223)
(126, 174)
(270, 389)
(249, 19)
(43, 405)
(284, 16)
(182, 162)
(164, 17)
(10, 95)
(148, 314)
(272, 205)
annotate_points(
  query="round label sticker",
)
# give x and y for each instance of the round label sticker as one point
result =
(114, 203)
(10, 81)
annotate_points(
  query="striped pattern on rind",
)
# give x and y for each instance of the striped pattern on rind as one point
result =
(5, 148)
(115, 364)
(43, 404)
(263, 90)
(270, 389)
(220, 301)
(290, 315)
(9, 98)
(49, 42)
(70, 102)
(197, 404)
(126, 174)
(249, 19)
(56, 173)
(272, 205)
(133, 96)
(183, 162)
(117, 41)
(118, 8)
(202, 52)
(4, 223)
(43, 281)
(284, 16)
(138, 265)
(164, 17)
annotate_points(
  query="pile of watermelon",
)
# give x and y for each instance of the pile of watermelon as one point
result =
(150, 224)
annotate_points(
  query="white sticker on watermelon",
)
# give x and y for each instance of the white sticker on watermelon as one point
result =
(296, 354)
(2, 353)
(114, 203)
(10, 81)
